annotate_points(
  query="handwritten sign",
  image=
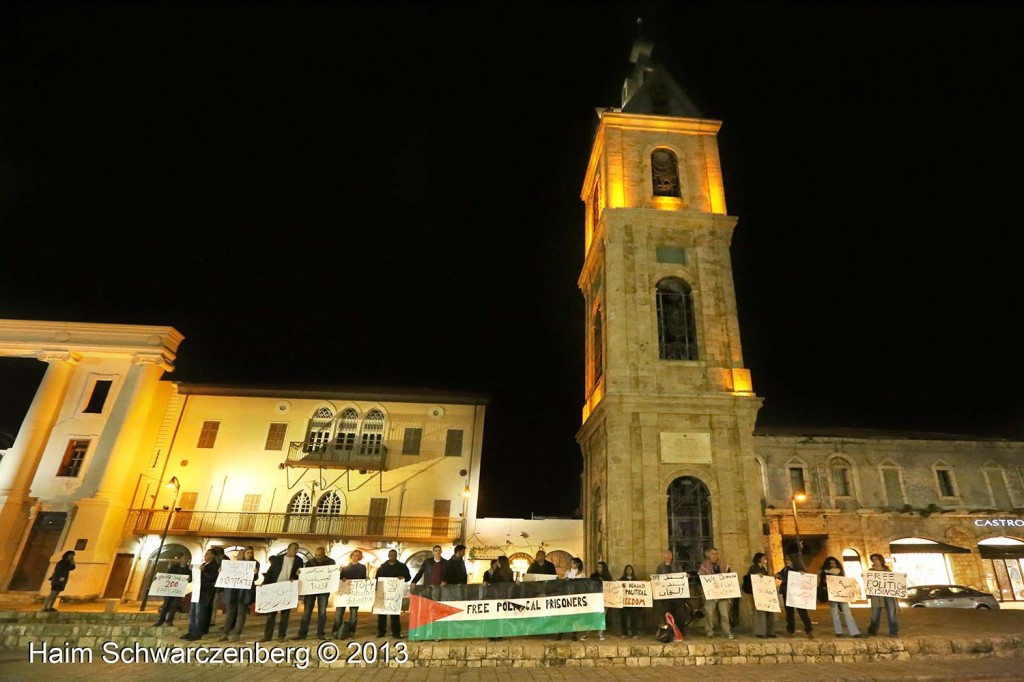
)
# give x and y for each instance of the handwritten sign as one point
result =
(612, 594)
(766, 593)
(885, 584)
(720, 586)
(236, 575)
(533, 577)
(359, 593)
(319, 579)
(842, 588)
(802, 590)
(169, 585)
(670, 585)
(636, 593)
(388, 597)
(277, 596)
(196, 572)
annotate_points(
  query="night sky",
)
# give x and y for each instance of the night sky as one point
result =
(388, 194)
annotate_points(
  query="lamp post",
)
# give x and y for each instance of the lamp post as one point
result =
(798, 497)
(465, 510)
(176, 484)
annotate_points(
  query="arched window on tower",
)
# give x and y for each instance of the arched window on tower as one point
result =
(665, 173)
(677, 329)
(690, 531)
(598, 340)
(371, 440)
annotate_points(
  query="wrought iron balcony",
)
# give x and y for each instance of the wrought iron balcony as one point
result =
(371, 457)
(263, 524)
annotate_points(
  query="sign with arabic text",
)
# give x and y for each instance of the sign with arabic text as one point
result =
(842, 588)
(670, 586)
(802, 590)
(388, 596)
(319, 579)
(277, 596)
(766, 593)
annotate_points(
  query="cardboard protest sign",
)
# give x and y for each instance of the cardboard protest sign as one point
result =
(842, 588)
(720, 586)
(636, 593)
(670, 586)
(169, 585)
(802, 590)
(277, 596)
(236, 575)
(766, 593)
(388, 596)
(359, 593)
(612, 594)
(319, 579)
(885, 584)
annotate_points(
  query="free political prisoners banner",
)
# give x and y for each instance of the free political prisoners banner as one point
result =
(505, 609)
(885, 584)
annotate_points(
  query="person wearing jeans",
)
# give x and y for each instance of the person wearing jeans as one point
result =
(793, 564)
(838, 609)
(320, 558)
(353, 571)
(711, 565)
(878, 603)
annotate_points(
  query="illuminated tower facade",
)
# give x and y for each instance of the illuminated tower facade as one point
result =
(667, 435)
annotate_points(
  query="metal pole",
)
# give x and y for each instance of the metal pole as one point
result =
(796, 527)
(152, 571)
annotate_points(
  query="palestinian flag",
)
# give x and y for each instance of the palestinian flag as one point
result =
(505, 609)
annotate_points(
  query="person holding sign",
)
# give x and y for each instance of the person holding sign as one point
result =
(630, 614)
(199, 617)
(172, 605)
(601, 575)
(838, 609)
(353, 571)
(668, 565)
(793, 566)
(392, 568)
(712, 565)
(320, 558)
(283, 567)
(238, 600)
(764, 621)
(878, 602)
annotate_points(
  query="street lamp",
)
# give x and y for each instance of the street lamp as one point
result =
(176, 484)
(798, 497)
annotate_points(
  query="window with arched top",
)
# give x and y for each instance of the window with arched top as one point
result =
(690, 531)
(297, 520)
(348, 423)
(665, 173)
(318, 434)
(677, 328)
(300, 504)
(371, 439)
(598, 341)
(841, 477)
(329, 504)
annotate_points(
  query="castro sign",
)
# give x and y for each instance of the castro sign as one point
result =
(1014, 523)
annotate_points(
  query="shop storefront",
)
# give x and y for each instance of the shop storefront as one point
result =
(1002, 560)
(926, 562)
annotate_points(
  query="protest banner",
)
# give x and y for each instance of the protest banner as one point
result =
(169, 585)
(388, 596)
(236, 575)
(766, 593)
(720, 586)
(612, 590)
(319, 579)
(505, 609)
(277, 596)
(636, 593)
(842, 588)
(359, 593)
(885, 584)
(670, 586)
(802, 590)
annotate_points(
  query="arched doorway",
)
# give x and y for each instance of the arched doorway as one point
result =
(690, 530)
(562, 561)
(169, 554)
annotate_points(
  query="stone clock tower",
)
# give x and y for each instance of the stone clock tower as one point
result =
(667, 435)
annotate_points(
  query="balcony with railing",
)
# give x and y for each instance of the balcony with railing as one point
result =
(371, 457)
(264, 524)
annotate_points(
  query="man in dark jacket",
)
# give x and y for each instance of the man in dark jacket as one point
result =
(353, 571)
(455, 571)
(320, 558)
(172, 605)
(542, 565)
(432, 569)
(392, 568)
(283, 567)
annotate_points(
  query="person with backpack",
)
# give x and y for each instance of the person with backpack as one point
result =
(764, 621)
